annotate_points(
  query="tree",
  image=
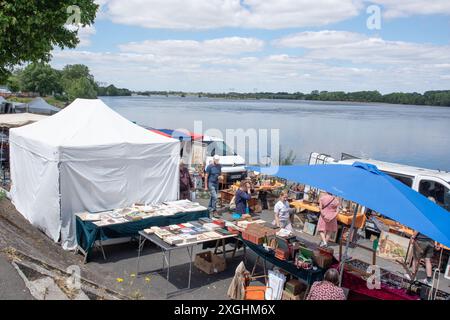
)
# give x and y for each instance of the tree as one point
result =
(40, 78)
(80, 88)
(13, 82)
(29, 30)
(76, 71)
(78, 82)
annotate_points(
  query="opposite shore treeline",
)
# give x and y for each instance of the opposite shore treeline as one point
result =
(75, 81)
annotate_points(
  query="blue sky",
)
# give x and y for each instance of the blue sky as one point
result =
(267, 45)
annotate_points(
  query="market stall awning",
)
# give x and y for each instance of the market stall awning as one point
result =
(179, 134)
(365, 184)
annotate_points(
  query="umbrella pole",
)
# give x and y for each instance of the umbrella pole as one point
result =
(344, 257)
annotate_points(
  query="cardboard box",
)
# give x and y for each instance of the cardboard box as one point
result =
(287, 296)
(322, 260)
(209, 262)
(295, 287)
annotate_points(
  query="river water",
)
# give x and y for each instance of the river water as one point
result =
(413, 135)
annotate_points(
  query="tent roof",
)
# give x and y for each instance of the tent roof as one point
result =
(87, 123)
(39, 105)
(12, 120)
(364, 184)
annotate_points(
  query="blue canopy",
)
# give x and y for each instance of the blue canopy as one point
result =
(364, 184)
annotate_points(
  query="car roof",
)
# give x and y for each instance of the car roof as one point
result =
(402, 169)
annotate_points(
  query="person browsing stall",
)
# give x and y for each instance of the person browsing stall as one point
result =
(329, 208)
(423, 248)
(243, 194)
(213, 172)
(327, 289)
(283, 212)
(186, 183)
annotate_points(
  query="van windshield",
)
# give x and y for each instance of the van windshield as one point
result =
(218, 147)
(437, 191)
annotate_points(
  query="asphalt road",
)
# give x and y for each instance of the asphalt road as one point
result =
(12, 286)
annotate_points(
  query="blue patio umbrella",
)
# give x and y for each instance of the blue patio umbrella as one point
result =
(364, 184)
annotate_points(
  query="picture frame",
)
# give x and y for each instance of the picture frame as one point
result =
(309, 228)
(392, 246)
(447, 271)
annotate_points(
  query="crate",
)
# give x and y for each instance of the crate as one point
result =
(257, 233)
(209, 262)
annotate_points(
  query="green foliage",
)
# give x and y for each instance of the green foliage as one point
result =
(433, 98)
(111, 90)
(78, 82)
(13, 83)
(80, 88)
(29, 30)
(287, 160)
(40, 78)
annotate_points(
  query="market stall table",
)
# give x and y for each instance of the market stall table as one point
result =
(88, 232)
(302, 205)
(166, 250)
(227, 195)
(359, 290)
(309, 276)
(341, 217)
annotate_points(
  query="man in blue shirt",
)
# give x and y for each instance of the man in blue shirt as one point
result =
(213, 172)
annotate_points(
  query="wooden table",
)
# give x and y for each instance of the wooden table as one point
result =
(300, 205)
(227, 195)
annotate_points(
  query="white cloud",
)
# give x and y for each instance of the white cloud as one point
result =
(201, 14)
(319, 39)
(361, 49)
(399, 8)
(84, 34)
(223, 46)
(327, 60)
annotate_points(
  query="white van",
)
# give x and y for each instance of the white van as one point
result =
(434, 183)
(233, 165)
(200, 149)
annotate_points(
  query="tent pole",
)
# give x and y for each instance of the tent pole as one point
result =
(344, 257)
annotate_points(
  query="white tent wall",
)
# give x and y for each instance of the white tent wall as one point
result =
(87, 158)
(143, 173)
(35, 189)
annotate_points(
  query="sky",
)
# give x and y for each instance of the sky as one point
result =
(267, 45)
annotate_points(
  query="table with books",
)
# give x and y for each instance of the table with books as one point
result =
(184, 236)
(94, 228)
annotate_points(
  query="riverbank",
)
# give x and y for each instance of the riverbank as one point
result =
(439, 98)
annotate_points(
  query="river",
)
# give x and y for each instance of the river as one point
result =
(413, 135)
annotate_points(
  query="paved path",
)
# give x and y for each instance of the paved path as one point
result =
(12, 286)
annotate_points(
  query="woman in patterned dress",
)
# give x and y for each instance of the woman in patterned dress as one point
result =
(327, 289)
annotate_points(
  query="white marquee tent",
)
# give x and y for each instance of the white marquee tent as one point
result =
(87, 157)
